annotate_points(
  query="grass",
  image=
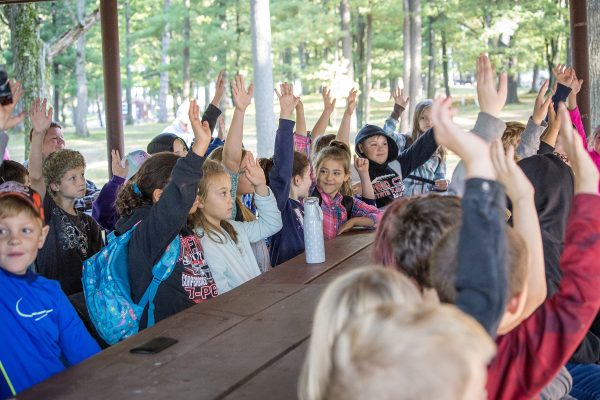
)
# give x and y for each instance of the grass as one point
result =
(137, 136)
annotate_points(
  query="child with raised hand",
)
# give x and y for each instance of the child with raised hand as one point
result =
(158, 201)
(73, 235)
(304, 140)
(227, 243)
(41, 332)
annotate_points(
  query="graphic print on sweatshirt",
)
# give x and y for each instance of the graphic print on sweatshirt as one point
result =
(389, 185)
(196, 279)
(71, 236)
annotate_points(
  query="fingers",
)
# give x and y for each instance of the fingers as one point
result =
(278, 94)
(503, 87)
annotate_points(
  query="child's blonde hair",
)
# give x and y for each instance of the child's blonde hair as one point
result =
(210, 171)
(422, 351)
(344, 299)
(340, 152)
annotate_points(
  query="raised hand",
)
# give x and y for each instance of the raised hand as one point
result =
(7, 120)
(509, 173)
(219, 89)
(256, 175)
(202, 133)
(351, 102)
(491, 99)
(287, 100)
(540, 107)
(40, 118)
(242, 97)
(553, 128)
(361, 165)
(118, 169)
(328, 102)
(563, 74)
(473, 150)
(576, 85)
(585, 171)
(221, 128)
(399, 98)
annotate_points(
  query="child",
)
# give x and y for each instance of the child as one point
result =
(406, 353)
(13, 171)
(73, 236)
(345, 299)
(168, 142)
(41, 333)
(158, 201)
(531, 354)
(226, 243)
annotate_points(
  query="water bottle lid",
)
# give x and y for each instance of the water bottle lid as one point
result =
(310, 201)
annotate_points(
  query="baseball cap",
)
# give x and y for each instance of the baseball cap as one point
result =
(16, 189)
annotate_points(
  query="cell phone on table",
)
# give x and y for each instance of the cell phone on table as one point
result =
(5, 93)
(154, 346)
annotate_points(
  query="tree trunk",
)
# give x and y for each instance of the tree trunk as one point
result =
(346, 37)
(404, 125)
(594, 53)
(81, 108)
(129, 120)
(368, 69)
(186, 51)
(360, 68)
(99, 110)
(445, 64)
(28, 55)
(163, 91)
(535, 79)
(431, 60)
(260, 18)
(55, 75)
(513, 86)
(416, 84)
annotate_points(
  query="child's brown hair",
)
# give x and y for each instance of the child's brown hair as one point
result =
(339, 152)
(512, 134)
(57, 164)
(13, 171)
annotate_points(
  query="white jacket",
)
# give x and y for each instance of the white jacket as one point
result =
(232, 264)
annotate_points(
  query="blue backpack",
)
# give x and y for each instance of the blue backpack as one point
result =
(107, 291)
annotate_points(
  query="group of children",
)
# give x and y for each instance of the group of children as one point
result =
(521, 272)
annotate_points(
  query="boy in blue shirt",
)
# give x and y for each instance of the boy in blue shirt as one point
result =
(40, 332)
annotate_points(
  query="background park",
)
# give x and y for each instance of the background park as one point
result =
(171, 50)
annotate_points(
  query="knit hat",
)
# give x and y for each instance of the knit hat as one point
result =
(25, 193)
(163, 142)
(371, 130)
(134, 160)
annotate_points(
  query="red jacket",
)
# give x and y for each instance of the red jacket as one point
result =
(532, 354)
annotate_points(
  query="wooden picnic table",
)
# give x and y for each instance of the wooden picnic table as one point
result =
(248, 343)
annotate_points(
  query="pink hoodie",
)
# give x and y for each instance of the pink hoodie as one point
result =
(576, 119)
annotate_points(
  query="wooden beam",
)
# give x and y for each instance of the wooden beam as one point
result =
(580, 52)
(109, 22)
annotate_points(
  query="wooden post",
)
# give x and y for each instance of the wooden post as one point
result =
(109, 20)
(580, 52)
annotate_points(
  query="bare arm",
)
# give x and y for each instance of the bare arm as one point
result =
(362, 167)
(329, 106)
(232, 150)
(40, 120)
(343, 134)
(300, 120)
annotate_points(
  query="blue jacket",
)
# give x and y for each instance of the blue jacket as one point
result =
(39, 330)
(289, 241)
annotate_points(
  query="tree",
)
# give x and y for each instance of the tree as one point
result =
(164, 73)
(263, 76)
(594, 52)
(82, 93)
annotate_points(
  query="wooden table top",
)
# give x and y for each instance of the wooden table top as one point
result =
(248, 343)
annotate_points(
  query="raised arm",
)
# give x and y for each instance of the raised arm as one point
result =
(40, 121)
(328, 107)
(362, 167)
(232, 150)
(530, 138)
(343, 134)
(103, 208)
(300, 119)
(212, 112)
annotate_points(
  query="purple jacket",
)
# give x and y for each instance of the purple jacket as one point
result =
(103, 208)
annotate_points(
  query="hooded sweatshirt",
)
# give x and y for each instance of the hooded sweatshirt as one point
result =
(387, 184)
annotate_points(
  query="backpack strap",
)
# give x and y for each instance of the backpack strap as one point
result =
(160, 272)
(421, 179)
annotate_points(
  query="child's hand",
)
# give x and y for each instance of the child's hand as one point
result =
(576, 85)
(40, 119)
(221, 128)
(328, 103)
(202, 133)
(473, 150)
(361, 165)
(563, 74)
(399, 99)
(510, 174)
(584, 169)
(553, 127)
(491, 100)
(219, 89)
(540, 107)
(256, 175)
(117, 168)
(441, 185)
(7, 120)
(348, 225)
(287, 100)
(351, 102)
(241, 97)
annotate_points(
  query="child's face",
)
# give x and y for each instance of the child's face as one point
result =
(331, 176)
(302, 184)
(179, 148)
(72, 184)
(218, 202)
(21, 236)
(425, 122)
(54, 140)
(375, 148)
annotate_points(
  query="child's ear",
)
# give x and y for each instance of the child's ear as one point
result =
(200, 201)
(156, 195)
(43, 236)
(54, 187)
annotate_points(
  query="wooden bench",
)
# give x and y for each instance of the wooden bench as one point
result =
(246, 344)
